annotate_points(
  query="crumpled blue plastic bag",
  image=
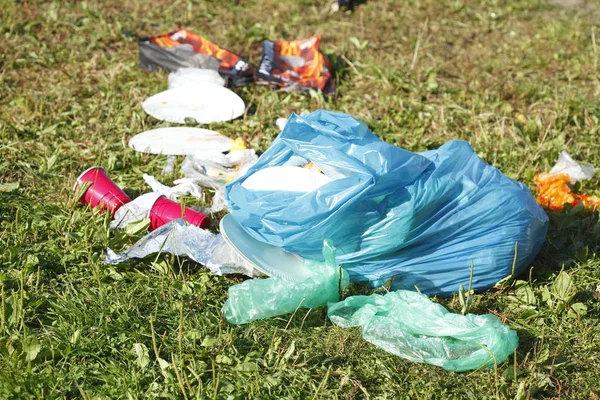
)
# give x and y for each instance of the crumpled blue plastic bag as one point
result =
(419, 218)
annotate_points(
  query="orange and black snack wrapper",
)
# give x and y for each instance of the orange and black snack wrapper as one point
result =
(296, 64)
(181, 48)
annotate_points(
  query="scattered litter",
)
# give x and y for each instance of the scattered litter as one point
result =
(434, 220)
(205, 103)
(422, 219)
(205, 163)
(200, 245)
(196, 170)
(257, 299)
(411, 326)
(553, 189)
(296, 65)
(102, 191)
(554, 193)
(186, 77)
(177, 49)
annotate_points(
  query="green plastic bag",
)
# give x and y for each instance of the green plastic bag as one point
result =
(411, 326)
(256, 299)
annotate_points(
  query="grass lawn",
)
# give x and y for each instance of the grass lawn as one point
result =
(517, 79)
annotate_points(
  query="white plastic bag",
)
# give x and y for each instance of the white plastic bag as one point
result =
(216, 170)
(576, 171)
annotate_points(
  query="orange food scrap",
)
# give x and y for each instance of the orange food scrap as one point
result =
(554, 192)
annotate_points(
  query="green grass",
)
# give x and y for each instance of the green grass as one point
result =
(518, 79)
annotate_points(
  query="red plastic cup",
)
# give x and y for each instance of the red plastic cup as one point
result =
(103, 192)
(164, 211)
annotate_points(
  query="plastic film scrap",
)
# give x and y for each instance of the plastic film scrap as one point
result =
(257, 299)
(411, 326)
(179, 238)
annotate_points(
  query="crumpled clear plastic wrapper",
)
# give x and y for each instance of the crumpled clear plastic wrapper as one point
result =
(182, 187)
(180, 239)
(410, 325)
(215, 170)
(169, 166)
(256, 299)
(218, 166)
(577, 172)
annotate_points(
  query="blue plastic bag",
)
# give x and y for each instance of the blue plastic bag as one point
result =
(420, 218)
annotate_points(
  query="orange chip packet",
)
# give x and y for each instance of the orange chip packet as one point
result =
(554, 192)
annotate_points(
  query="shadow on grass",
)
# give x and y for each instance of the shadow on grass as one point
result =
(573, 236)
(339, 67)
(350, 5)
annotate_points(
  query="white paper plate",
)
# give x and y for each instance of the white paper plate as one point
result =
(203, 102)
(285, 178)
(175, 141)
(268, 259)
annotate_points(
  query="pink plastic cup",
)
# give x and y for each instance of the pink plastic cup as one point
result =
(164, 211)
(103, 192)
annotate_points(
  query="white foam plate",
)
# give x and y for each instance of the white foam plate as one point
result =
(204, 102)
(268, 259)
(175, 141)
(286, 178)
